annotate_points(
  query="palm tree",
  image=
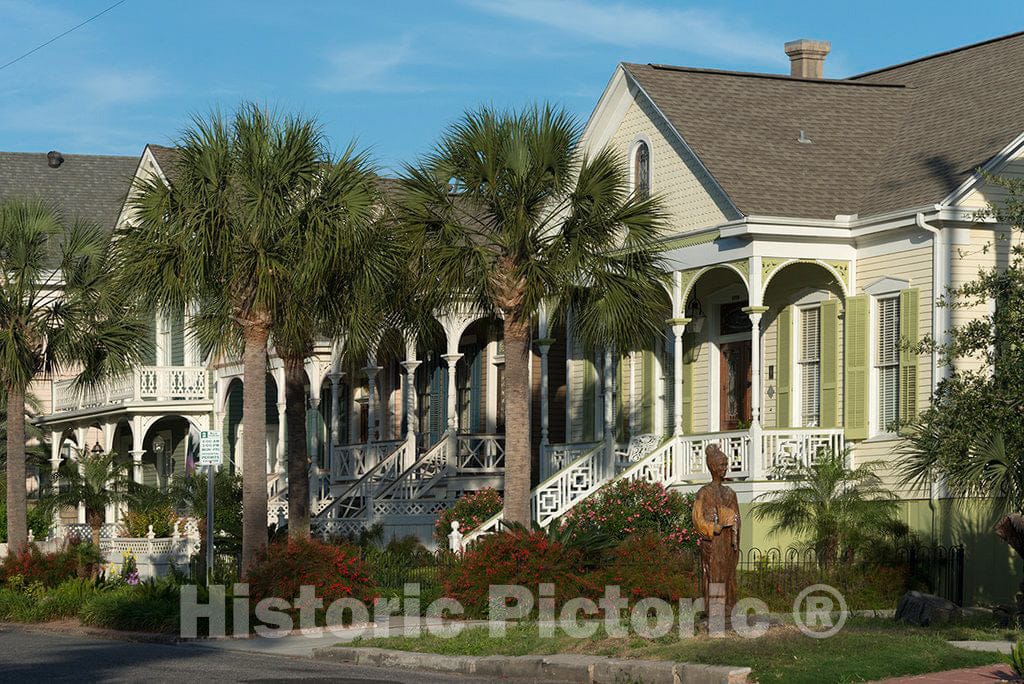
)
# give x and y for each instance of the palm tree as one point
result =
(336, 227)
(835, 507)
(59, 312)
(95, 481)
(231, 236)
(509, 214)
(37, 451)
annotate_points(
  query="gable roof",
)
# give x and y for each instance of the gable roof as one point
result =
(902, 137)
(968, 104)
(86, 187)
(166, 158)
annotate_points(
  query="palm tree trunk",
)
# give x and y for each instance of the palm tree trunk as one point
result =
(517, 420)
(17, 513)
(254, 445)
(95, 526)
(298, 460)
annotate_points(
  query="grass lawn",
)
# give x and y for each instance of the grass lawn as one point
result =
(864, 650)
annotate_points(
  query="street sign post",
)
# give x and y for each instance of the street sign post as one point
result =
(211, 456)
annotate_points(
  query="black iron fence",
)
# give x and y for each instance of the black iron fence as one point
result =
(868, 580)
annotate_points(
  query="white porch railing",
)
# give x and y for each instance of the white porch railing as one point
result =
(797, 447)
(147, 383)
(735, 444)
(357, 498)
(480, 453)
(414, 481)
(554, 457)
(353, 461)
(675, 461)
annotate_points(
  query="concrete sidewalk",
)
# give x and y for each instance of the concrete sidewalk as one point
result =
(303, 644)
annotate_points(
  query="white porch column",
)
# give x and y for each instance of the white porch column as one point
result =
(756, 458)
(314, 440)
(335, 422)
(81, 435)
(371, 402)
(137, 451)
(409, 405)
(632, 408)
(314, 436)
(453, 417)
(282, 424)
(544, 345)
(678, 326)
(609, 409)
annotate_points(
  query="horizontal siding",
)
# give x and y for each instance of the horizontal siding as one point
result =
(987, 248)
(691, 199)
(989, 193)
(885, 454)
(914, 265)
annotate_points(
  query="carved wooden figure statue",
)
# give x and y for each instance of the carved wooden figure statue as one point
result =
(716, 516)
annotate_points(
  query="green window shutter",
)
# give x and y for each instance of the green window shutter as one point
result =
(668, 374)
(909, 335)
(620, 413)
(149, 353)
(829, 363)
(475, 391)
(784, 363)
(857, 372)
(178, 338)
(689, 363)
(647, 393)
(589, 388)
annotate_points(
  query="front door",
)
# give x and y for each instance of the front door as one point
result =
(734, 404)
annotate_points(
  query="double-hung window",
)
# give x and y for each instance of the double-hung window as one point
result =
(810, 366)
(887, 363)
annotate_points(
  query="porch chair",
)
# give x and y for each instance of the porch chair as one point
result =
(639, 446)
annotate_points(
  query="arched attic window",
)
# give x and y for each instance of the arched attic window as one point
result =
(642, 170)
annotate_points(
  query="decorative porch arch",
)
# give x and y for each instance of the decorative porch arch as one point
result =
(840, 270)
(690, 277)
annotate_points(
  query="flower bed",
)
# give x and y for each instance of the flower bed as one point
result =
(471, 511)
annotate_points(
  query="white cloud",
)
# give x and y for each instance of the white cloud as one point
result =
(105, 88)
(698, 31)
(371, 67)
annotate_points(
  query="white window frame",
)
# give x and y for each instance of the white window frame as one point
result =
(800, 365)
(877, 366)
(888, 287)
(634, 146)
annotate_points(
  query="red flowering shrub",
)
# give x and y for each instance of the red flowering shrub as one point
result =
(633, 507)
(471, 510)
(335, 570)
(526, 558)
(648, 565)
(77, 559)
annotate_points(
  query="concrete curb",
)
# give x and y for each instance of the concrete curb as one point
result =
(78, 629)
(566, 667)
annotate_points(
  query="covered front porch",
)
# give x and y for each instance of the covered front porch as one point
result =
(751, 359)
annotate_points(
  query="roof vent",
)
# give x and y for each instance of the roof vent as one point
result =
(803, 138)
(807, 57)
(54, 159)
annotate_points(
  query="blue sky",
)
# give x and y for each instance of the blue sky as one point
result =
(392, 74)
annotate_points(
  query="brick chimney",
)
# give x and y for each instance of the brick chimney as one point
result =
(807, 57)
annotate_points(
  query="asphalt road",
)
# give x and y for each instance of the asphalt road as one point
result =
(35, 656)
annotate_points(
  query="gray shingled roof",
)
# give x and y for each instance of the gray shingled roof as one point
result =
(87, 187)
(166, 159)
(898, 138)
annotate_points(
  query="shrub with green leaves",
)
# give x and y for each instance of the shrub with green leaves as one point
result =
(77, 559)
(153, 606)
(136, 521)
(471, 510)
(38, 522)
(629, 507)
